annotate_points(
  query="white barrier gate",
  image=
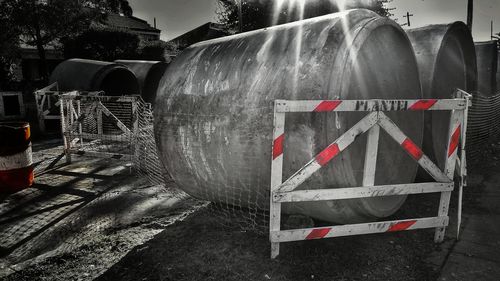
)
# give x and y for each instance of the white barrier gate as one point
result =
(283, 192)
(100, 126)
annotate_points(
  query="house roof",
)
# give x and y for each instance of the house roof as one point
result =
(204, 32)
(119, 21)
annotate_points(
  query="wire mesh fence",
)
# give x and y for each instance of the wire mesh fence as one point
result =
(146, 160)
(229, 183)
(483, 125)
(99, 125)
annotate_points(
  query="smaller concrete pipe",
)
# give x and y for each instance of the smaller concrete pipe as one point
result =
(16, 162)
(88, 75)
(498, 72)
(486, 53)
(149, 74)
(446, 61)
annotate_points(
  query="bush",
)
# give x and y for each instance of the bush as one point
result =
(102, 44)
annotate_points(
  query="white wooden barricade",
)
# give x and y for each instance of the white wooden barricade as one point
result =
(285, 191)
(47, 102)
(77, 108)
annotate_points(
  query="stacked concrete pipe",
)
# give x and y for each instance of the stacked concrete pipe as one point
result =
(447, 61)
(149, 74)
(89, 75)
(487, 57)
(214, 123)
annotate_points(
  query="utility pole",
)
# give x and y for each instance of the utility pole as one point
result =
(470, 13)
(491, 31)
(408, 15)
(240, 15)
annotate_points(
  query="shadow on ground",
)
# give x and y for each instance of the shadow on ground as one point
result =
(201, 248)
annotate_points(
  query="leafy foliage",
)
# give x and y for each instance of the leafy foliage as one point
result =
(9, 48)
(120, 6)
(158, 51)
(102, 44)
(259, 13)
(41, 23)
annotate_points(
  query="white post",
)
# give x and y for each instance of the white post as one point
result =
(463, 162)
(371, 156)
(79, 113)
(455, 132)
(67, 144)
(276, 178)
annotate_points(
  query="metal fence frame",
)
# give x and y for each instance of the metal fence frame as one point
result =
(72, 115)
(284, 192)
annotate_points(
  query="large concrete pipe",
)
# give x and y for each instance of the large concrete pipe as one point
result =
(446, 60)
(149, 74)
(88, 75)
(486, 53)
(214, 121)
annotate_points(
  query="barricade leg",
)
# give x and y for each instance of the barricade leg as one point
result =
(276, 179)
(67, 142)
(455, 134)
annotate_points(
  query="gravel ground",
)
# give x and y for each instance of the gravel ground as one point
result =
(186, 240)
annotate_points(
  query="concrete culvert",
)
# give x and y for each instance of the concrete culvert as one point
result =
(447, 61)
(214, 122)
(149, 74)
(89, 75)
(486, 54)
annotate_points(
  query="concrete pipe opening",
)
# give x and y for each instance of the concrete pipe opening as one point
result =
(88, 75)
(446, 58)
(149, 74)
(214, 122)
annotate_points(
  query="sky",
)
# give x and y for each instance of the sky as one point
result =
(175, 17)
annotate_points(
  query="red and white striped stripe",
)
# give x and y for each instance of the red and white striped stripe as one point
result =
(16, 161)
(357, 229)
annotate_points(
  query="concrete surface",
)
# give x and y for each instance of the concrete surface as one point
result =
(476, 256)
(91, 203)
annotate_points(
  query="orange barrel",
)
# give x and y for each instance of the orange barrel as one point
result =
(16, 161)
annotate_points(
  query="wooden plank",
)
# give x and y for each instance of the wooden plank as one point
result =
(119, 123)
(361, 192)
(357, 229)
(276, 178)
(444, 202)
(370, 165)
(118, 138)
(367, 105)
(122, 156)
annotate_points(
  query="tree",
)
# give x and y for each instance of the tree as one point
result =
(120, 6)
(257, 14)
(42, 23)
(9, 48)
(101, 43)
